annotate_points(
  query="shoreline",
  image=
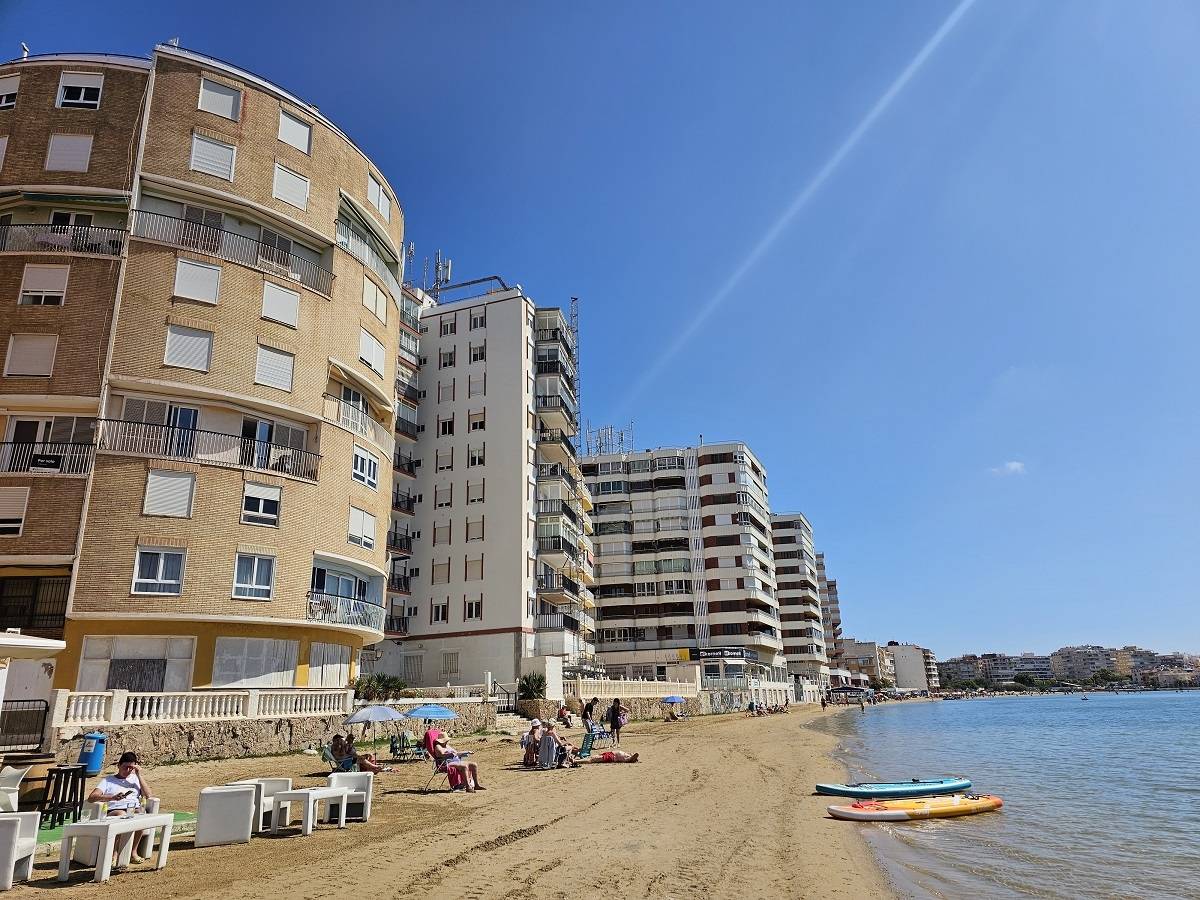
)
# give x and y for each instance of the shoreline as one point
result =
(720, 806)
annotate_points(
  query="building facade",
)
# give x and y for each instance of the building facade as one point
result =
(914, 667)
(798, 593)
(1081, 663)
(870, 660)
(198, 374)
(501, 549)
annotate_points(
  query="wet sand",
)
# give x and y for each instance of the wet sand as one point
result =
(719, 806)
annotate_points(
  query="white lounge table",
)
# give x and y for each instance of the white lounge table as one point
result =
(308, 800)
(105, 831)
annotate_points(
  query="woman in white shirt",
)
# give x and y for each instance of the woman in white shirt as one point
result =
(124, 793)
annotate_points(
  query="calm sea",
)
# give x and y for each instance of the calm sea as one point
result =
(1101, 798)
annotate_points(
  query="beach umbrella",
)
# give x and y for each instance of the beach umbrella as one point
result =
(373, 714)
(674, 698)
(431, 711)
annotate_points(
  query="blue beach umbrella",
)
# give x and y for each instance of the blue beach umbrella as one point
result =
(431, 711)
(674, 698)
(374, 713)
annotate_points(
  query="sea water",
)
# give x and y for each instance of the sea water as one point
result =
(1101, 797)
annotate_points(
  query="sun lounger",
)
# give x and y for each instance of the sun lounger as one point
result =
(585, 749)
(600, 733)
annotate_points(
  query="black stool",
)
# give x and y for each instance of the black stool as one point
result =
(64, 795)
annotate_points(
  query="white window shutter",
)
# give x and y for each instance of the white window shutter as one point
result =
(263, 491)
(274, 368)
(295, 132)
(213, 157)
(13, 501)
(368, 528)
(31, 354)
(280, 304)
(219, 99)
(197, 281)
(83, 79)
(10, 84)
(370, 350)
(188, 348)
(69, 153)
(169, 493)
(47, 279)
(3, 147)
(290, 187)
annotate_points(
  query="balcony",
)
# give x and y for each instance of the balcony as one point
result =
(395, 626)
(556, 472)
(400, 543)
(555, 622)
(404, 465)
(211, 448)
(556, 367)
(361, 249)
(557, 336)
(37, 606)
(557, 411)
(62, 239)
(403, 502)
(231, 247)
(406, 427)
(333, 609)
(556, 446)
(557, 588)
(558, 507)
(358, 420)
(408, 391)
(558, 547)
(399, 584)
(41, 458)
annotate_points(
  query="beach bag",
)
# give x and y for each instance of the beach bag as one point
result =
(623, 719)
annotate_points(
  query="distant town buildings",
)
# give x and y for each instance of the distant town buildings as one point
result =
(869, 659)
(915, 667)
(1068, 664)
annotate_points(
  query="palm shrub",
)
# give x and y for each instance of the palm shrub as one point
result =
(532, 687)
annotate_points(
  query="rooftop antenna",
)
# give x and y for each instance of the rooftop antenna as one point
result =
(606, 440)
(24, 50)
(441, 273)
(409, 254)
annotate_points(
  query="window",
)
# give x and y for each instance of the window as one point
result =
(370, 351)
(478, 318)
(197, 281)
(169, 493)
(473, 609)
(441, 572)
(260, 504)
(274, 368)
(80, 90)
(479, 352)
(477, 386)
(9, 86)
(366, 467)
(362, 528)
(277, 249)
(645, 589)
(441, 534)
(220, 99)
(158, 571)
(31, 354)
(475, 455)
(13, 501)
(254, 663)
(379, 197)
(474, 569)
(443, 497)
(477, 421)
(412, 665)
(43, 285)
(445, 391)
(446, 358)
(440, 612)
(213, 157)
(447, 325)
(295, 131)
(445, 459)
(446, 426)
(475, 492)
(676, 586)
(280, 304)
(188, 348)
(375, 299)
(290, 187)
(69, 153)
(253, 577)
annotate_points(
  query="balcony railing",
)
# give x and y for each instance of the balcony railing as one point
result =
(557, 583)
(208, 447)
(556, 436)
(406, 427)
(356, 419)
(555, 622)
(557, 508)
(360, 248)
(40, 458)
(404, 465)
(557, 544)
(232, 247)
(399, 542)
(408, 391)
(550, 472)
(558, 334)
(396, 625)
(35, 605)
(547, 403)
(400, 584)
(333, 609)
(404, 502)
(62, 239)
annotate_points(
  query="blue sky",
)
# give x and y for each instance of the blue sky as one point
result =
(970, 355)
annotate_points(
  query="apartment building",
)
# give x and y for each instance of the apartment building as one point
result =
(1081, 663)
(203, 280)
(870, 660)
(915, 667)
(961, 668)
(500, 567)
(799, 597)
(685, 569)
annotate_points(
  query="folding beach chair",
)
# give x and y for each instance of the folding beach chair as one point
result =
(441, 770)
(548, 753)
(600, 733)
(585, 749)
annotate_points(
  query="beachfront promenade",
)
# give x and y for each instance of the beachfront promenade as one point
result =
(720, 807)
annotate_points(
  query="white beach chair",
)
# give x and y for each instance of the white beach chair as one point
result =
(10, 787)
(264, 791)
(358, 803)
(18, 844)
(225, 815)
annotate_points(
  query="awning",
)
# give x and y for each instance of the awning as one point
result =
(88, 199)
(357, 379)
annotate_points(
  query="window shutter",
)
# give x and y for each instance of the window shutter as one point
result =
(188, 348)
(83, 79)
(3, 145)
(45, 279)
(69, 153)
(10, 84)
(280, 304)
(212, 157)
(290, 436)
(370, 350)
(13, 501)
(31, 354)
(290, 187)
(152, 412)
(274, 368)
(263, 491)
(293, 131)
(197, 281)
(368, 528)
(219, 99)
(169, 493)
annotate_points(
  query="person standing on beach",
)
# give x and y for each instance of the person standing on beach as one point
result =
(589, 714)
(823, 703)
(616, 719)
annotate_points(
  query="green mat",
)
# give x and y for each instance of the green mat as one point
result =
(52, 835)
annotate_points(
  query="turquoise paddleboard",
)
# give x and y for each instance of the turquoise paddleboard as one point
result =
(885, 789)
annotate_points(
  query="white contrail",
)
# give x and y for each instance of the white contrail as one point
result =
(797, 205)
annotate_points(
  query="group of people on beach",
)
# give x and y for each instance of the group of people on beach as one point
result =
(758, 709)
(566, 754)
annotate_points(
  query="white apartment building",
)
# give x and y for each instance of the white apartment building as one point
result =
(798, 593)
(915, 667)
(685, 570)
(500, 562)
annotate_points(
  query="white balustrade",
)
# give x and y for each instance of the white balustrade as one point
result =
(87, 708)
(620, 687)
(188, 705)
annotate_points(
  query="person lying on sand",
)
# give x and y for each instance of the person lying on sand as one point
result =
(612, 756)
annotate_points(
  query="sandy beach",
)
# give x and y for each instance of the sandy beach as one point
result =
(720, 806)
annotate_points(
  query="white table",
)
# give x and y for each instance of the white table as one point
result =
(105, 831)
(308, 799)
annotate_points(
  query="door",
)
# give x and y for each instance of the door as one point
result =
(182, 422)
(257, 435)
(354, 411)
(5, 222)
(201, 229)
(26, 438)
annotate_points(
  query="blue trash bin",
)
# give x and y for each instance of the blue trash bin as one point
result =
(95, 743)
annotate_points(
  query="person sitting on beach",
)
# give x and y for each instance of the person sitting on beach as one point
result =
(564, 715)
(567, 752)
(611, 756)
(531, 740)
(462, 774)
(366, 762)
(125, 793)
